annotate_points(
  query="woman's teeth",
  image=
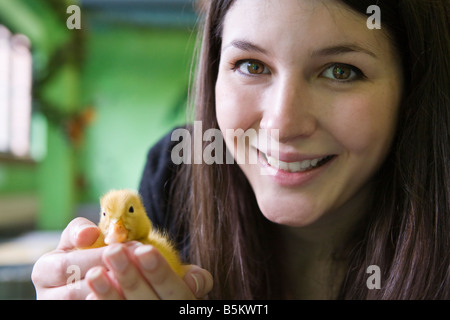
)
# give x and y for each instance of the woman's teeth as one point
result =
(298, 166)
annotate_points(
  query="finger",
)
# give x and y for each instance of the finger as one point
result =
(102, 285)
(55, 268)
(91, 296)
(199, 281)
(79, 233)
(127, 276)
(75, 291)
(164, 281)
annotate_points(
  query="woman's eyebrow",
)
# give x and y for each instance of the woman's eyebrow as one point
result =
(341, 49)
(244, 45)
(248, 46)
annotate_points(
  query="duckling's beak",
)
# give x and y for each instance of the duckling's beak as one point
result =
(117, 232)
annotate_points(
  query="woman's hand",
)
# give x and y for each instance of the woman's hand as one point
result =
(140, 272)
(139, 276)
(53, 274)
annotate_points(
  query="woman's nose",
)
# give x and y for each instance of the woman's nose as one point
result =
(290, 111)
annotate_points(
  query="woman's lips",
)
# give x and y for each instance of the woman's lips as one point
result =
(297, 166)
(294, 173)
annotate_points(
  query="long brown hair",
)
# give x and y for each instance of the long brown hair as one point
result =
(407, 232)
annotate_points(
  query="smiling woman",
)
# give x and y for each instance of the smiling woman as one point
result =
(336, 90)
(360, 174)
(317, 96)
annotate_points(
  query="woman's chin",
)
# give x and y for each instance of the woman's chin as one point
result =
(289, 215)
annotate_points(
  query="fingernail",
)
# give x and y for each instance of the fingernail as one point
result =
(147, 257)
(197, 286)
(80, 229)
(117, 258)
(98, 281)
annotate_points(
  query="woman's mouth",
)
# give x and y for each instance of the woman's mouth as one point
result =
(296, 166)
(291, 173)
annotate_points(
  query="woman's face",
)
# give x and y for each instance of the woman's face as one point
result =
(328, 84)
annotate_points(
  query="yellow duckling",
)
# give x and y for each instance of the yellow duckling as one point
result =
(123, 218)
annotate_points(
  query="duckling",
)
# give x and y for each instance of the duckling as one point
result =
(123, 218)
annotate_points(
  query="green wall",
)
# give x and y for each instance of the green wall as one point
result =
(134, 78)
(17, 177)
(39, 21)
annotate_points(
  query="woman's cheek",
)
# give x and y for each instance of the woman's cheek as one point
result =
(365, 127)
(236, 105)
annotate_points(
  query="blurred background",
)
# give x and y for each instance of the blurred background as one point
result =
(83, 96)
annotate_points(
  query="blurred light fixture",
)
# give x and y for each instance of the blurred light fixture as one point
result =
(15, 93)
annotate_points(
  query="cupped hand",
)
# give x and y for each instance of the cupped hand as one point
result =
(60, 274)
(140, 272)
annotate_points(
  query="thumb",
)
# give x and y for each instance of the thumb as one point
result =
(199, 280)
(79, 233)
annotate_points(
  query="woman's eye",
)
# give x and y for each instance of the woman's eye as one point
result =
(342, 73)
(252, 67)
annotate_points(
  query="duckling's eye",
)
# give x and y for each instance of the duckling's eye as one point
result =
(104, 213)
(131, 210)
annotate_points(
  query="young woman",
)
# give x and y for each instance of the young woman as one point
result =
(358, 184)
